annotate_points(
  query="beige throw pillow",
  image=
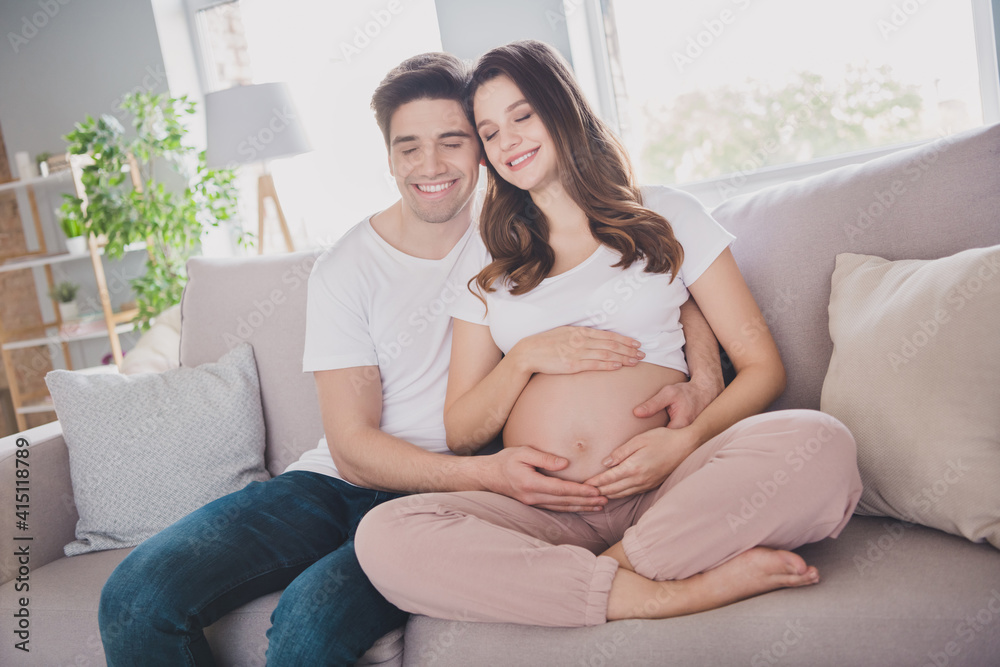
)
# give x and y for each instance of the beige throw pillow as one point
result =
(915, 376)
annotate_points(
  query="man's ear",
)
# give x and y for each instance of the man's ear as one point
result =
(482, 162)
(388, 159)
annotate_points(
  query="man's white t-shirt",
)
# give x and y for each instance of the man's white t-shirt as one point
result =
(594, 293)
(369, 304)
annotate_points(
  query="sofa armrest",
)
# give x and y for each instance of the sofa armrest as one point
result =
(51, 513)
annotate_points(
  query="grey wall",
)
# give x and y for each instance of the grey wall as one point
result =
(59, 61)
(470, 28)
(82, 60)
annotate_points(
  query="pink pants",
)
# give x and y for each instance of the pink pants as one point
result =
(780, 480)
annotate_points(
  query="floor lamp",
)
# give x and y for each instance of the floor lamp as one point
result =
(257, 123)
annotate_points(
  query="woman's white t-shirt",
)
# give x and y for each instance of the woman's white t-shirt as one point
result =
(645, 306)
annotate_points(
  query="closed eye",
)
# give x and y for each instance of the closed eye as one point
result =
(490, 136)
(525, 117)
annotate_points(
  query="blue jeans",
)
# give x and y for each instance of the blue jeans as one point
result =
(293, 532)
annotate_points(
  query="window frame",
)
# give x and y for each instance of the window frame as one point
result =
(710, 191)
(206, 79)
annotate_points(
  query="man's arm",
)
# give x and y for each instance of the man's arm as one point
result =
(351, 405)
(685, 401)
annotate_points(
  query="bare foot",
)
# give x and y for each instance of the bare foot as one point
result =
(753, 572)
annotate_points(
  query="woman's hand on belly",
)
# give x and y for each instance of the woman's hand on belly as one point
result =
(568, 350)
(644, 462)
(587, 416)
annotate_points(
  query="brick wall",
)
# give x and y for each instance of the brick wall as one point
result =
(18, 308)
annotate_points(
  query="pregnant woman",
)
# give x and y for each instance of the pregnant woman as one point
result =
(574, 321)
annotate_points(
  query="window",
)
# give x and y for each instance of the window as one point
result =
(710, 89)
(224, 45)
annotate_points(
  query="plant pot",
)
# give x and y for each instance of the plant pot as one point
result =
(68, 311)
(77, 245)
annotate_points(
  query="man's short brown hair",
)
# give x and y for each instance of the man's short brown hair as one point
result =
(430, 76)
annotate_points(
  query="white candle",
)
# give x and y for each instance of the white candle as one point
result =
(25, 167)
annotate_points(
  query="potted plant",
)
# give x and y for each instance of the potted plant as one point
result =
(175, 198)
(64, 294)
(72, 226)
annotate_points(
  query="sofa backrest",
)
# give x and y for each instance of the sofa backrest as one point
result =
(922, 203)
(262, 301)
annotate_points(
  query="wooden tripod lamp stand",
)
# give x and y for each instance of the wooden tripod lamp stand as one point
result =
(257, 123)
(265, 191)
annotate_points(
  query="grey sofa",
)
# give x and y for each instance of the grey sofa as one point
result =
(891, 594)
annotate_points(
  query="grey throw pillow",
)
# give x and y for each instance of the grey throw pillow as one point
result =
(148, 449)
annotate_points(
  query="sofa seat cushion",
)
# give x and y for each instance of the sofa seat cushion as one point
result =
(890, 594)
(63, 602)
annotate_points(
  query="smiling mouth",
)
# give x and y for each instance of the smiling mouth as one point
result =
(515, 162)
(434, 188)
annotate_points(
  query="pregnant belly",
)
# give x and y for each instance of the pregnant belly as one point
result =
(585, 416)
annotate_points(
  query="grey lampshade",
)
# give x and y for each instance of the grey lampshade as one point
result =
(251, 123)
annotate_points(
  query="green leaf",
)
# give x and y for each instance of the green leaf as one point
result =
(173, 221)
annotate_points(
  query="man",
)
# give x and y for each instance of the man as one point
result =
(378, 343)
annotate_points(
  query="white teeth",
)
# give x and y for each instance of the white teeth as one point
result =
(524, 157)
(434, 188)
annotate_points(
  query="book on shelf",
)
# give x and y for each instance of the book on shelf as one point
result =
(85, 324)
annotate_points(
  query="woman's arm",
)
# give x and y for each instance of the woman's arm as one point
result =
(483, 384)
(646, 460)
(726, 301)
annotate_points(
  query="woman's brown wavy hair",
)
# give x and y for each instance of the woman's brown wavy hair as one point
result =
(594, 169)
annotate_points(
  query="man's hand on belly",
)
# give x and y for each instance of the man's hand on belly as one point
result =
(512, 472)
(683, 402)
(644, 462)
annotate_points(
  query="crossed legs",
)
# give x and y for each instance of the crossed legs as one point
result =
(718, 530)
